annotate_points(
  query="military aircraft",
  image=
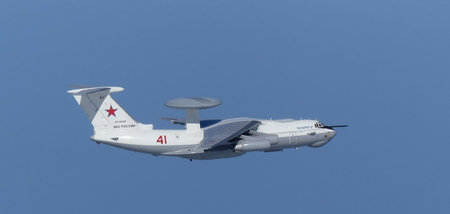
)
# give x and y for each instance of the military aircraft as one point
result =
(201, 139)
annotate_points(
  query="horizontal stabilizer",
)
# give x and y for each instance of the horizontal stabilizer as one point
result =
(82, 91)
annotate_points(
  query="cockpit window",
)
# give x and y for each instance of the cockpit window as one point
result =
(319, 125)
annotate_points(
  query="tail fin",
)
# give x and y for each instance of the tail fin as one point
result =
(101, 109)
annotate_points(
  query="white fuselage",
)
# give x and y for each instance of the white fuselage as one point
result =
(296, 133)
(143, 138)
(226, 138)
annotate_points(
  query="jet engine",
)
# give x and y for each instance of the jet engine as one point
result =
(252, 145)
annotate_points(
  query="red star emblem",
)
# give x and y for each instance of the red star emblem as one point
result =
(111, 111)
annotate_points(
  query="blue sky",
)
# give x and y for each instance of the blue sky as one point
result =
(379, 66)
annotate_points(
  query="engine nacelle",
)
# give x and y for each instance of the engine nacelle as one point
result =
(251, 145)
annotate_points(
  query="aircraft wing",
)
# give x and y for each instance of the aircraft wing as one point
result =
(220, 135)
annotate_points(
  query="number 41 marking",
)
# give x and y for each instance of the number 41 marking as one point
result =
(162, 139)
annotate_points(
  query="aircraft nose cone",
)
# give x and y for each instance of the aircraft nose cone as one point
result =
(331, 134)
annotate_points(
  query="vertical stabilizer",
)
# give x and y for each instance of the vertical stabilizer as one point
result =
(101, 109)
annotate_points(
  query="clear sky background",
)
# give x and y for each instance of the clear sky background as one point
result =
(380, 66)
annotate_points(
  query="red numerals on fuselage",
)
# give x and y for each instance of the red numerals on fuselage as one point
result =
(162, 139)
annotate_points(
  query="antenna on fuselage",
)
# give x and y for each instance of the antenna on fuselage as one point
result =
(191, 106)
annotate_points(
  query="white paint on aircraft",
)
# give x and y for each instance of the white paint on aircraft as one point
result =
(219, 139)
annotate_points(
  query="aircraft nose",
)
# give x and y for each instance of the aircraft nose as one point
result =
(331, 133)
